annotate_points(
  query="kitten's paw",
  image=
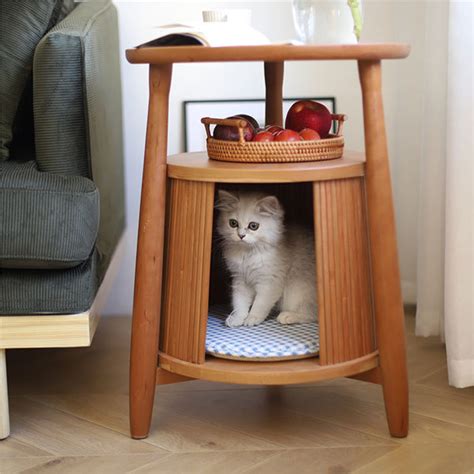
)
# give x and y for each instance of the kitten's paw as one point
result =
(235, 320)
(289, 317)
(254, 320)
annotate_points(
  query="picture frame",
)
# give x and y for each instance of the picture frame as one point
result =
(194, 110)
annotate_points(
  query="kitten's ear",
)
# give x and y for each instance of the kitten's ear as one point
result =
(270, 206)
(226, 201)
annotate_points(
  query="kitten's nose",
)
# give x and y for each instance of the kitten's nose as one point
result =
(241, 235)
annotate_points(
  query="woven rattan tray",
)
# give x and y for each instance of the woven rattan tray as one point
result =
(272, 152)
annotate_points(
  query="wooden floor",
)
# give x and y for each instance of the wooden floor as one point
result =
(69, 414)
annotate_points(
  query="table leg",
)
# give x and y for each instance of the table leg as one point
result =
(389, 319)
(274, 93)
(149, 264)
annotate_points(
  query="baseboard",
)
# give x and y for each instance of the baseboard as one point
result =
(409, 292)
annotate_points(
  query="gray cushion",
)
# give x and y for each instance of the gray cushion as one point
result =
(59, 115)
(48, 221)
(25, 292)
(61, 88)
(22, 24)
(85, 79)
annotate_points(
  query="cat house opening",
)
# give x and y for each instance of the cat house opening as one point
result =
(263, 258)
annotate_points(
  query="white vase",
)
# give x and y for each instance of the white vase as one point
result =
(324, 21)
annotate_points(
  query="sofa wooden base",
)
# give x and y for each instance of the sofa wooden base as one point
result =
(4, 418)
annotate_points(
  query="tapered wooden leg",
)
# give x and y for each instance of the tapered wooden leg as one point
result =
(4, 415)
(389, 320)
(274, 93)
(148, 273)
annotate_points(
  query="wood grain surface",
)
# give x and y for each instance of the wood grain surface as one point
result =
(267, 53)
(149, 264)
(343, 270)
(69, 413)
(188, 263)
(388, 304)
(267, 373)
(197, 167)
(274, 72)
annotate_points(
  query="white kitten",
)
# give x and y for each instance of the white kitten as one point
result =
(270, 265)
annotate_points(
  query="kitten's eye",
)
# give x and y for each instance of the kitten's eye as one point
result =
(254, 225)
(233, 223)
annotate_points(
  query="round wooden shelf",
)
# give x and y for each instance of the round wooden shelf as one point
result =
(268, 373)
(198, 167)
(273, 52)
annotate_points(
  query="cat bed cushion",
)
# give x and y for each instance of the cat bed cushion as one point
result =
(269, 340)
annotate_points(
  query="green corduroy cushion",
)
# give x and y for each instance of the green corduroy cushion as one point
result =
(47, 221)
(24, 292)
(62, 87)
(59, 105)
(22, 25)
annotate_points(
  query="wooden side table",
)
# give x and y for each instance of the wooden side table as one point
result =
(361, 336)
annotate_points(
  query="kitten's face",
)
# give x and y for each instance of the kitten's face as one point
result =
(249, 218)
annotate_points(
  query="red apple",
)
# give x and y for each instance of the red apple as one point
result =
(273, 129)
(286, 135)
(263, 137)
(227, 132)
(309, 134)
(309, 114)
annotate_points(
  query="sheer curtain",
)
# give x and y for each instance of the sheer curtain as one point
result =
(445, 282)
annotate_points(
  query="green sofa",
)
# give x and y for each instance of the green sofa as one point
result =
(61, 173)
(61, 159)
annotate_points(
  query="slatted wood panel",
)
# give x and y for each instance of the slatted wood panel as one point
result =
(188, 258)
(343, 270)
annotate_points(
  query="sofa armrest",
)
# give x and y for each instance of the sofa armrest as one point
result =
(78, 110)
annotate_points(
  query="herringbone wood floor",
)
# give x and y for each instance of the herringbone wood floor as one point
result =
(69, 414)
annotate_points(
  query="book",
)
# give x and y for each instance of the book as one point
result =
(220, 33)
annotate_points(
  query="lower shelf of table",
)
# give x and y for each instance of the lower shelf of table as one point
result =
(267, 373)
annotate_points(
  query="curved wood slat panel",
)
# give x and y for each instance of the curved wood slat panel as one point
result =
(343, 271)
(188, 260)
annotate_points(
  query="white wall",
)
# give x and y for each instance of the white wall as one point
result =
(384, 21)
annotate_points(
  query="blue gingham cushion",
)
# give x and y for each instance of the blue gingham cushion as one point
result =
(269, 339)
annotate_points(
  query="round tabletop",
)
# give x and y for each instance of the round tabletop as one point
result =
(272, 52)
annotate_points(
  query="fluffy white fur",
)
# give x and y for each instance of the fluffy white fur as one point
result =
(271, 265)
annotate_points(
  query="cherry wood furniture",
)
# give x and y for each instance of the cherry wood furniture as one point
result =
(350, 202)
